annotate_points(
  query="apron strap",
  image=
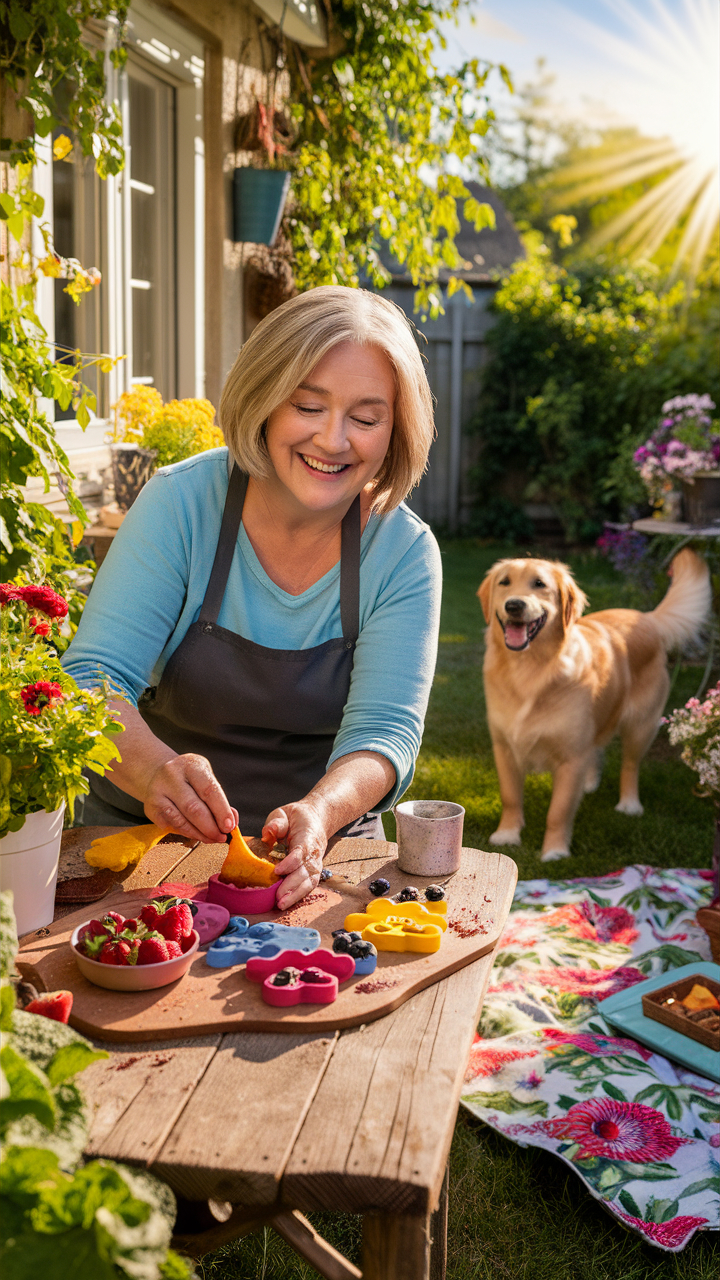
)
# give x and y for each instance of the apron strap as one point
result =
(350, 574)
(227, 541)
(229, 529)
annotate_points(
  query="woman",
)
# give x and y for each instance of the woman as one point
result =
(278, 597)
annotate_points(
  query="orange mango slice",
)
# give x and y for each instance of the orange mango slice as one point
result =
(118, 851)
(700, 998)
(241, 866)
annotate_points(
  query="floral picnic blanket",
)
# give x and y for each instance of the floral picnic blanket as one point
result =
(546, 1070)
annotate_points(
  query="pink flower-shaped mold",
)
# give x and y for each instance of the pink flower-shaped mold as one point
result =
(242, 902)
(335, 968)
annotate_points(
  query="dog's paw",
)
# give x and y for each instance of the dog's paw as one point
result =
(631, 807)
(554, 855)
(507, 836)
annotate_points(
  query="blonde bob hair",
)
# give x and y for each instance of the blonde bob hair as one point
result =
(290, 342)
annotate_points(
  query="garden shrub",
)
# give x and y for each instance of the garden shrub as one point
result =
(581, 361)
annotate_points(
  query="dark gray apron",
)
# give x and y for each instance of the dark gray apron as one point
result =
(266, 719)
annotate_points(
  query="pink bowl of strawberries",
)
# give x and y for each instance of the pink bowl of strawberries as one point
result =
(139, 953)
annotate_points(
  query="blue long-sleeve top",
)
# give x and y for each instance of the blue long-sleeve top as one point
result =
(151, 586)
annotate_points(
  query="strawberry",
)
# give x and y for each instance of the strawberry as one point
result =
(176, 922)
(173, 949)
(149, 915)
(130, 926)
(115, 953)
(112, 917)
(152, 951)
(187, 943)
(52, 1004)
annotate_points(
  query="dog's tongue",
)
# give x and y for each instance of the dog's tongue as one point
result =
(515, 635)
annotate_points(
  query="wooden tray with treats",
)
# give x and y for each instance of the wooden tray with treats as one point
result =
(699, 1018)
(209, 1000)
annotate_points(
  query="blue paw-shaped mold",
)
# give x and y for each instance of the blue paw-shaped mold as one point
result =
(242, 940)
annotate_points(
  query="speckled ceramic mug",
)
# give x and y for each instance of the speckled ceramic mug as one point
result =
(429, 836)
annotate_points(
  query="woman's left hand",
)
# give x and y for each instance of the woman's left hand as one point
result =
(302, 828)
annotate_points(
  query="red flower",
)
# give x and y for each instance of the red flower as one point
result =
(486, 1061)
(8, 593)
(597, 924)
(40, 695)
(616, 1130)
(40, 628)
(44, 599)
(673, 1234)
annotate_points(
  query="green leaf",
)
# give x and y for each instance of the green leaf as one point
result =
(613, 1092)
(21, 1171)
(706, 1184)
(68, 1256)
(70, 1060)
(7, 205)
(7, 1004)
(29, 1094)
(629, 1205)
(8, 933)
(565, 1102)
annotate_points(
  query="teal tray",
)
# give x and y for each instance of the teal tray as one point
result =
(624, 1011)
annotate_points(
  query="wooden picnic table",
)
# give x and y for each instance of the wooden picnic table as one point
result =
(256, 1129)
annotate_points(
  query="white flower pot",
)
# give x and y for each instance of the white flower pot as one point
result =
(29, 866)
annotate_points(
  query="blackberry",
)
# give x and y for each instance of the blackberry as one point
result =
(379, 887)
(313, 975)
(434, 893)
(341, 943)
(361, 950)
(282, 978)
(408, 894)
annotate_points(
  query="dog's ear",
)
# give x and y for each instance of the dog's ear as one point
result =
(484, 593)
(572, 600)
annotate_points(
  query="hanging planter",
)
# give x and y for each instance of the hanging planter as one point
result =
(259, 197)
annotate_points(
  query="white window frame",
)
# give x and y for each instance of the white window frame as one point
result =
(170, 49)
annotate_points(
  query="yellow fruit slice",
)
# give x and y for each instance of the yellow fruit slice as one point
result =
(118, 851)
(241, 866)
(699, 998)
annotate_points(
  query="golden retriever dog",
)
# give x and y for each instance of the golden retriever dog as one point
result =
(559, 686)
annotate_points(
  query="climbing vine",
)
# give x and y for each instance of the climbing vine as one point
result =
(374, 121)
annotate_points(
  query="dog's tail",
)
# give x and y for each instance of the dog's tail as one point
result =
(685, 607)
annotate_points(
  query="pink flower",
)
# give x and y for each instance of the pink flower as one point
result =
(597, 924)
(598, 1046)
(596, 983)
(672, 1234)
(616, 1130)
(43, 599)
(8, 593)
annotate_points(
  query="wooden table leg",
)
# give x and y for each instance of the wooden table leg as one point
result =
(395, 1247)
(438, 1232)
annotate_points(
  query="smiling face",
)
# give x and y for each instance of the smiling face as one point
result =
(526, 597)
(329, 439)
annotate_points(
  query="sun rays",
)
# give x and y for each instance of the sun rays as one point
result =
(676, 60)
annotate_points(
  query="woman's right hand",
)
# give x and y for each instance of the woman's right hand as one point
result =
(184, 795)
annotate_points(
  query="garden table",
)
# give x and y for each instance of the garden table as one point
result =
(255, 1129)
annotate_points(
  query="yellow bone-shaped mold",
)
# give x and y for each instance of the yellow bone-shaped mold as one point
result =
(405, 926)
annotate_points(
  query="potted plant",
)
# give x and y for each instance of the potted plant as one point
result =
(50, 732)
(260, 191)
(157, 434)
(683, 455)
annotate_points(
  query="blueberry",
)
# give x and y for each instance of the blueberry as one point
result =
(408, 894)
(434, 893)
(337, 932)
(326, 874)
(282, 978)
(355, 937)
(341, 945)
(379, 887)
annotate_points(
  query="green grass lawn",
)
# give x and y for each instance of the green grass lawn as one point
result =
(521, 1214)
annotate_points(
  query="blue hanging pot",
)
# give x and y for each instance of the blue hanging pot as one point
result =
(259, 197)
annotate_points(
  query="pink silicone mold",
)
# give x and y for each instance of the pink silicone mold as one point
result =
(242, 902)
(334, 968)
